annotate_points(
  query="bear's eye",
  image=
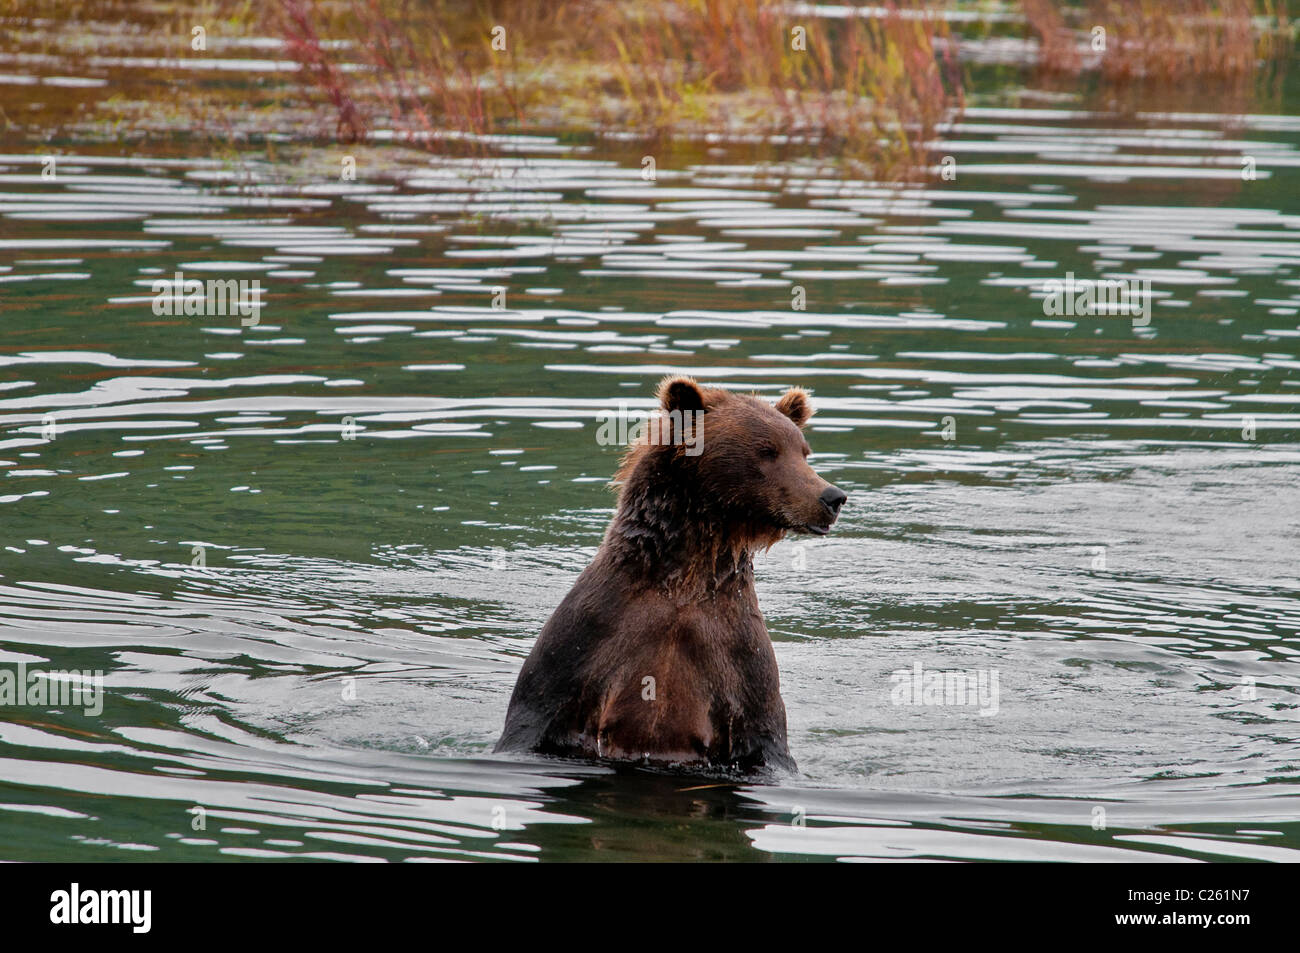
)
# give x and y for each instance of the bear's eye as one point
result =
(769, 453)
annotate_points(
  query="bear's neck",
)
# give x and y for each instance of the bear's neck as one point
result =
(665, 537)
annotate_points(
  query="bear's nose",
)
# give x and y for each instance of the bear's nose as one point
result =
(833, 498)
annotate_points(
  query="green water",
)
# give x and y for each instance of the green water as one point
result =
(309, 556)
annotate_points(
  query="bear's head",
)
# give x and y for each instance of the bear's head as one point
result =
(745, 460)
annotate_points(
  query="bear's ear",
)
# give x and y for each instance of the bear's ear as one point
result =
(680, 393)
(796, 405)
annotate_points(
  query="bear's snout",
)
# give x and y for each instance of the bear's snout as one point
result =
(833, 498)
(827, 506)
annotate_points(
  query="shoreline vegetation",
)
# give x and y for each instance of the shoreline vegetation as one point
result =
(870, 88)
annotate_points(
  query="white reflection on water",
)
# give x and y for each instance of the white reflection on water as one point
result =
(1123, 684)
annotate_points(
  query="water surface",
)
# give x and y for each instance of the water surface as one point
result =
(310, 555)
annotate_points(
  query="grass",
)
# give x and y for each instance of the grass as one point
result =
(1159, 40)
(871, 90)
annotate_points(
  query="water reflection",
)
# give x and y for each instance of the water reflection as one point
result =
(310, 554)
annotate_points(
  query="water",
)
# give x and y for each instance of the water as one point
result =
(310, 555)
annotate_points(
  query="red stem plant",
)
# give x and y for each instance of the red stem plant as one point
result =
(871, 87)
(1160, 40)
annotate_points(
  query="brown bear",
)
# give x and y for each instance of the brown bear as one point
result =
(659, 654)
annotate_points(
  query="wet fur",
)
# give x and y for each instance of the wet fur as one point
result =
(670, 595)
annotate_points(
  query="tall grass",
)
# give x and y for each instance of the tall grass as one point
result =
(1161, 40)
(871, 89)
(302, 43)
